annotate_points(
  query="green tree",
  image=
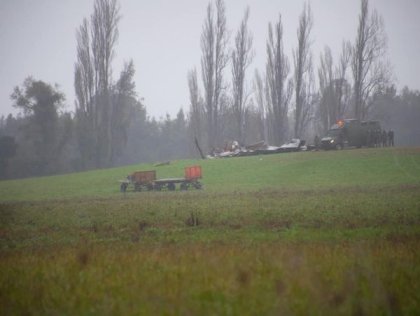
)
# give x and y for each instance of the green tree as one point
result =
(40, 102)
(8, 148)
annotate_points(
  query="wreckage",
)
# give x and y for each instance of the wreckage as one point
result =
(261, 148)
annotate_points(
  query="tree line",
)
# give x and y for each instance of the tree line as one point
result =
(110, 125)
(282, 101)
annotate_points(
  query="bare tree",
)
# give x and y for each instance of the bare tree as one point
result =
(86, 109)
(370, 73)
(104, 21)
(303, 72)
(95, 50)
(334, 89)
(325, 75)
(342, 86)
(196, 109)
(277, 93)
(214, 39)
(123, 102)
(83, 80)
(241, 59)
(261, 104)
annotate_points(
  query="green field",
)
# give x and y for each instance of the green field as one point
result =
(289, 234)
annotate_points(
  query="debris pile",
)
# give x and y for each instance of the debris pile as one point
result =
(233, 149)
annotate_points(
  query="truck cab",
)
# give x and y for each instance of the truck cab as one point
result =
(345, 133)
(334, 138)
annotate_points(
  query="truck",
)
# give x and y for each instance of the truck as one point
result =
(351, 133)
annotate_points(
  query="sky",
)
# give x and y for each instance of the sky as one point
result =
(38, 39)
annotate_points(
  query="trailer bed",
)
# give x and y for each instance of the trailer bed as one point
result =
(170, 184)
(170, 180)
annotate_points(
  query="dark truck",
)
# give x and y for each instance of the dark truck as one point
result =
(351, 133)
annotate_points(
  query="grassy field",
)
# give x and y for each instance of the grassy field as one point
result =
(304, 233)
(367, 168)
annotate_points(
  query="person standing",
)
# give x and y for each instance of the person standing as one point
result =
(391, 138)
(384, 139)
(317, 142)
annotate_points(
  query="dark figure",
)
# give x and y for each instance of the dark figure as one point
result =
(369, 138)
(375, 138)
(317, 142)
(378, 138)
(384, 139)
(391, 138)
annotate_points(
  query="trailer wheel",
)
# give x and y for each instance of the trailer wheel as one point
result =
(339, 146)
(198, 185)
(157, 187)
(137, 187)
(184, 186)
(171, 186)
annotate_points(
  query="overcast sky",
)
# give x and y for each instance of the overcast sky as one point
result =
(37, 38)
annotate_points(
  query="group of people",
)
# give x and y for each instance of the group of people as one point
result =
(378, 138)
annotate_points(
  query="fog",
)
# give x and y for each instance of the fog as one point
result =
(163, 39)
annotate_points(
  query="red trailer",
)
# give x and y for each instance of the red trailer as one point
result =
(146, 180)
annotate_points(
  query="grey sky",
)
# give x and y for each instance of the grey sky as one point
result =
(37, 37)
